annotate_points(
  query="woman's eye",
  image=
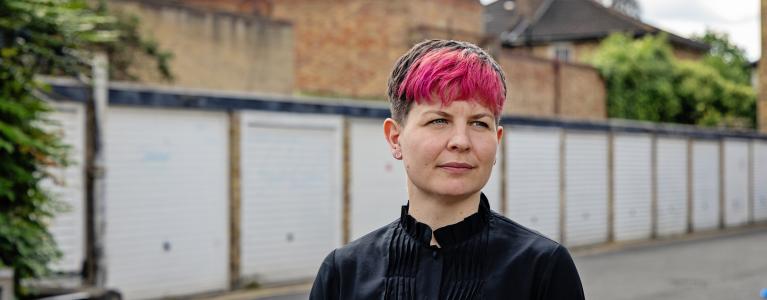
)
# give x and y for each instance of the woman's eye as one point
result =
(480, 124)
(438, 122)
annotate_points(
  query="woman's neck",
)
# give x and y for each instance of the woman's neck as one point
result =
(438, 212)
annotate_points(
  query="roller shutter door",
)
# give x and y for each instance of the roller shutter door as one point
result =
(167, 202)
(705, 185)
(532, 179)
(672, 186)
(291, 194)
(633, 188)
(735, 182)
(68, 227)
(585, 188)
(378, 181)
(760, 178)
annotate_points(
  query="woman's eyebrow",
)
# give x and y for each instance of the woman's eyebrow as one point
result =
(481, 115)
(437, 112)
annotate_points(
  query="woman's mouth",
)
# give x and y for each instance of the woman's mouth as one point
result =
(456, 167)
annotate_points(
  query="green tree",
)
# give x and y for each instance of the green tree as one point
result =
(639, 75)
(726, 57)
(646, 82)
(44, 37)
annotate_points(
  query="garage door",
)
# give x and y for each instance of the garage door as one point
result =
(736, 182)
(378, 181)
(166, 202)
(68, 227)
(672, 186)
(532, 179)
(705, 185)
(585, 188)
(633, 187)
(760, 177)
(291, 194)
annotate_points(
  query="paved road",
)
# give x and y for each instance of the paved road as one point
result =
(731, 267)
(724, 267)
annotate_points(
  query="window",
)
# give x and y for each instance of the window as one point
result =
(562, 52)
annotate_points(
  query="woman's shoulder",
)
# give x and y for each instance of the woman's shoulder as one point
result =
(506, 231)
(365, 246)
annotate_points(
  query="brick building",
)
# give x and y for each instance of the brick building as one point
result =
(345, 48)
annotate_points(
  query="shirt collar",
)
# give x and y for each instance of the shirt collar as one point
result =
(451, 234)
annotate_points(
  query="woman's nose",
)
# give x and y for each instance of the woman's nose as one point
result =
(459, 141)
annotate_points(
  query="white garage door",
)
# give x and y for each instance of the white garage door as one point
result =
(167, 201)
(532, 179)
(68, 227)
(736, 182)
(633, 187)
(672, 186)
(585, 188)
(760, 180)
(291, 194)
(705, 185)
(378, 181)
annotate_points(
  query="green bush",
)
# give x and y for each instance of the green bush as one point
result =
(646, 82)
(43, 37)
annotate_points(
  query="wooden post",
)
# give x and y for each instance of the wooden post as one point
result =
(654, 186)
(95, 194)
(235, 198)
(690, 178)
(761, 110)
(562, 186)
(751, 195)
(504, 176)
(610, 186)
(722, 202)
(347, 170)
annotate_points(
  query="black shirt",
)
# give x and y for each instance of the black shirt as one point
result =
(485, 256)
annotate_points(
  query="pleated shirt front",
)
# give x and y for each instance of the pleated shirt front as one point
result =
(485, 256)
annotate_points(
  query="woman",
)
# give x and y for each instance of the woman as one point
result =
(446, 100)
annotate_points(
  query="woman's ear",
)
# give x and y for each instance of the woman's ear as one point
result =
(392, 131)
(500, 134)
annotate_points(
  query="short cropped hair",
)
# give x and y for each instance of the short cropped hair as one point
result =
(450, 70)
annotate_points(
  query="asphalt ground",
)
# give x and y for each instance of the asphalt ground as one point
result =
(719, 265)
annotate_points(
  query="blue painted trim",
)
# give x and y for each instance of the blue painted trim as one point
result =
(150, 97)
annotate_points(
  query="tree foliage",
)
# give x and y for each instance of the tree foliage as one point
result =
(646, 82)
(43, 37)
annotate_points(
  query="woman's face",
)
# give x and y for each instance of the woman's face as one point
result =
(448, 151)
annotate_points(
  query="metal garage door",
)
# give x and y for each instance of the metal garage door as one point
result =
(760, 180)
(705, 185)
(532, 178)
(735, 182)
(672, 186)
(167, 201)
(585, 188)
(633, 187)
(291, 194)
(378, 181)
(68, 227)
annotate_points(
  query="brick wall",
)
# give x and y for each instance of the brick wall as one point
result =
(347, 47)
(216, 50)
(540, 87)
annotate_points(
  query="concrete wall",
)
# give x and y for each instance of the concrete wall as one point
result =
(540, 87)
(216, 50)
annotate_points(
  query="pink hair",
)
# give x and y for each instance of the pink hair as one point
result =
(454, 75)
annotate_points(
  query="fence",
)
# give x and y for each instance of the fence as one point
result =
(207, 191)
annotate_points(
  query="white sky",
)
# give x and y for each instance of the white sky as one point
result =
(738, 18)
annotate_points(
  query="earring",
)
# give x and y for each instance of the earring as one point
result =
(494, 162)
(397, 155)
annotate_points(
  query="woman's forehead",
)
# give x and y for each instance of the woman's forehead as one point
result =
(467, 107)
